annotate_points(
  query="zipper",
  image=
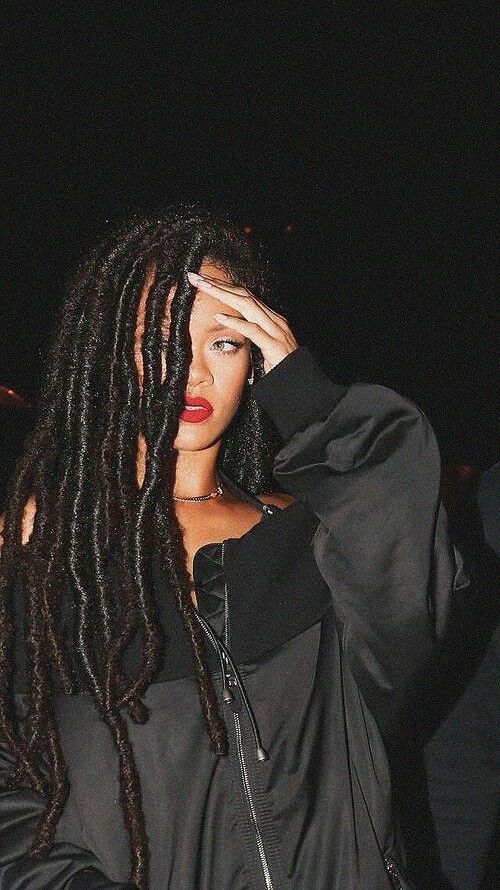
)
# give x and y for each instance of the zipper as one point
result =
(247, 788)
(251, 804)
(394, 873)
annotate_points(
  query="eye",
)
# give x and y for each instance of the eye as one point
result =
(234, 345)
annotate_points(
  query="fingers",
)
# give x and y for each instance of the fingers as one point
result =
(279, 319)
(233, 288)
(239, 298)
(255, 332)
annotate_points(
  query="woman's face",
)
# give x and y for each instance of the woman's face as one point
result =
(219, 367)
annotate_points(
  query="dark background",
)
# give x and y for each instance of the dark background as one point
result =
(354, 139)
(366, 128)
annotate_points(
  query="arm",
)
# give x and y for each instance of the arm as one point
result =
(365, 460)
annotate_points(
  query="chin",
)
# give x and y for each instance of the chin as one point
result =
(195, 442)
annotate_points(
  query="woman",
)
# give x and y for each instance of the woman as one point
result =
(145, 573)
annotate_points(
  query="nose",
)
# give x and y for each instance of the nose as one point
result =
(199, 372)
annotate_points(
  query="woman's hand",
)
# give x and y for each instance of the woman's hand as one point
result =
(264, 327)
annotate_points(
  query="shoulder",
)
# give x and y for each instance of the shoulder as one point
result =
(277, 499)
(28, 520)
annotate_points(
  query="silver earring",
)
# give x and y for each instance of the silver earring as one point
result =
(250, 379)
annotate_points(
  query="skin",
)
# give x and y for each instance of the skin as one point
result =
(218, 372)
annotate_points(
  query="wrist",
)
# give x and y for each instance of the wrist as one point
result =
(296, 392)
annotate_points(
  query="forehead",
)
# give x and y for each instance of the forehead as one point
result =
(205, 306)
(211, 270)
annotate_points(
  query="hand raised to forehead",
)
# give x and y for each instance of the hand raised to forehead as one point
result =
(267, 329)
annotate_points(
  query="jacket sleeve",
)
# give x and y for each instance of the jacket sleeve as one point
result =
(67, 866)
(366, 461)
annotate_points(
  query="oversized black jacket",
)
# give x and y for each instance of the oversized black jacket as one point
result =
(330, 611)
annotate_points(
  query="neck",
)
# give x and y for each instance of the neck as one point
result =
(195, 471)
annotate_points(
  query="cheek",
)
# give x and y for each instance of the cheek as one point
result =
(232, 383)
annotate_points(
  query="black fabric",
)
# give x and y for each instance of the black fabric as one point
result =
(337, 606)
(369, 468)
(267, 583)
(463, 776)
(306, 393)
(263, 568)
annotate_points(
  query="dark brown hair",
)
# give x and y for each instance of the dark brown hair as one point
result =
(79, 463)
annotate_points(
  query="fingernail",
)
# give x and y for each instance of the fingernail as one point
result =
(196, 279)
(220, 316)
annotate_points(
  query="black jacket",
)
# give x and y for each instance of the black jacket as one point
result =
(331, 611)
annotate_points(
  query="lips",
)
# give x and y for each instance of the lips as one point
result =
(197, 400)
(196, 409)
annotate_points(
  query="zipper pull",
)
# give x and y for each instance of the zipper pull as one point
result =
(229, 697)
(267, 509)
(233, 679)
(394, 873)
(227, 680)
(235, 705)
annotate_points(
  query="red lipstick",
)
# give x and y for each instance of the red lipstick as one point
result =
(199, 409)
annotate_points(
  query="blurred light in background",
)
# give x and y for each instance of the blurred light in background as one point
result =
(10, 397)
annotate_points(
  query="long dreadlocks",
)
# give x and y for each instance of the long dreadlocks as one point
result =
(79, 464)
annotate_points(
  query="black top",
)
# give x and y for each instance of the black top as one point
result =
(266, 608)
(366, 541)
(266, 587)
